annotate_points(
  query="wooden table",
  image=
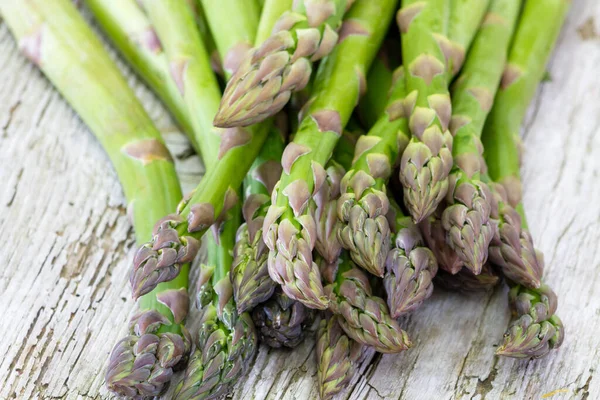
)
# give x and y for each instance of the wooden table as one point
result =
(67, 247)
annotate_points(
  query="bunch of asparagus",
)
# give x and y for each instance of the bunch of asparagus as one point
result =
(351, 217)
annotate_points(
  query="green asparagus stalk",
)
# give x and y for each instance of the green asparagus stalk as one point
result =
(364, 203)
(467, 282)
(271, 12)
(465, 18)
(289, 229)
(513, 249)
(241, 28)
(338, 357)
(435, 236)
(379, 80)
(281, 321)
(466, 219)
(268, 75)
(207, 38)
(160, 258)
(131, 32)
(250, 276)
(536, 330)
(190, 68)
(364, 317)
(52, 34)
(426, 54)
(226, 341)
(410, 266)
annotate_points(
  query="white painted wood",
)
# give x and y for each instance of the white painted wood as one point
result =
(67, 246)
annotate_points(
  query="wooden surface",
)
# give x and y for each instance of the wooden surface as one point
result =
(66, 249)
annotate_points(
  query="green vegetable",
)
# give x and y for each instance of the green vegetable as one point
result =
(534, 40)
(226, 341)
(338, 357)
(410, 267)
(53, 35)
(364, 317)
(250, 276)
(268, 75)
(189, 66)
(427, 160)
(237, 149)
(364, 203)
(536, 330)
(289, 228)
(466, 218)
(465, 19)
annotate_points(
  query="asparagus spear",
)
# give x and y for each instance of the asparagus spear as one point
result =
(52, 34)
(283, 64)
(467, 282)
(465, 18)
(281, 321)
(289, 229)
(513, 249)
(130, 31)
(338, 357)
(536, 330)
(426, 51)
(189, 66)
(226, 341)
(364, 317)
(410, 267)
(249, 275)
(363, 205)
(160, 259)
(467, 216)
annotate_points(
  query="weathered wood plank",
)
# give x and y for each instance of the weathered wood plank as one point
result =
(67, 246)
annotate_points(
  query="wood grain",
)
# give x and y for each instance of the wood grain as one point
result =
(67, 246)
